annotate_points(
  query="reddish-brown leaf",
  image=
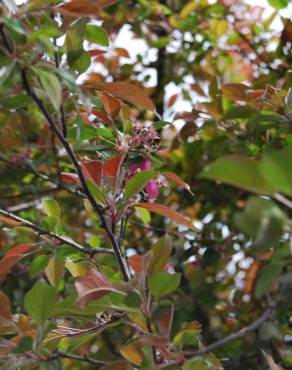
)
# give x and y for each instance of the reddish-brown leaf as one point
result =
(111, 105)
(166, 212)
(101, 115)
(112, 166)
(92, 286)
(125, 91)
(174, 177)
(19, 250)
(5, 311)
(136, 263)
(69, 177)
(78, 8)
(9, 221)
(92, 170)
(12, 257)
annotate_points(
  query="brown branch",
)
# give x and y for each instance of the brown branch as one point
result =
(30, 169)
(89, 360)
(230, 338)
(52, 235)
(97, 208)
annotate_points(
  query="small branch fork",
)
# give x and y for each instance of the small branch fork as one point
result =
(54, 236)
(97, 208)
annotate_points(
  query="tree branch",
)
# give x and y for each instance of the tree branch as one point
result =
(54, 236)
(230, 338)
(97, 208)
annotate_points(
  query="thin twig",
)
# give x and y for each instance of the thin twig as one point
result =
(280, 198)
(52, 235)
(97, 208)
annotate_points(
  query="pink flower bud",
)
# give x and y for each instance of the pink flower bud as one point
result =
(145, 165)
(152, 189)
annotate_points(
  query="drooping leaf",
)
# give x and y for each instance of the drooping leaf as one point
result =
(40, 301)
(38, 264)
(52, 87)
(163, 283)
(78, 8)
(125, 91)
(138, 182)
(144, 214)
(166, 212)
(92, 286)
(55, 270)
(174, 177)
(69, 178)
(238, 171)
(5, 310)
(161, 252)
(111, 105)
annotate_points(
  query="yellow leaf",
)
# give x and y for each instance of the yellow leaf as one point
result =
(219, 27)
(173, 21)
(77, 268)
(55, 270)
(132, 352)
(188, 8)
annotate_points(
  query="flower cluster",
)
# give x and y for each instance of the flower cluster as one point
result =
(151, 188)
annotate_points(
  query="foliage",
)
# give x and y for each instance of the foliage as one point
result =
(135, 235)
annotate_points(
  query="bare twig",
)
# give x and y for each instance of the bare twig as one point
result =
(52, 235)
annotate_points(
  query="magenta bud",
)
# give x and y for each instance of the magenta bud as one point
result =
(152, 189)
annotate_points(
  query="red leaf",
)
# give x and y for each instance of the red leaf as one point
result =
(125, 91)
(19, 250)
(111, 105)
(174, 177)
(78, 7)
(92, 170)
(136, 263)
(69, 177)
(112, 166)
(101, 115)
(166, 212)
(12, 257)
(92, 286)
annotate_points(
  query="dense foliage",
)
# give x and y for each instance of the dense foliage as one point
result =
(135, 235)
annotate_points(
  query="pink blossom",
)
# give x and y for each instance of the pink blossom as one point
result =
(143, 166)
(152, 189)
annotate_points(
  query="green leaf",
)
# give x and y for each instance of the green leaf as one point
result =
(96, 35)
(38, 264)
(197, 364)
(267, 278)
(278, 4)
(51, 208)
(161, 252)
(79, 60)
(39, 302)
(241, 112)
(163, 283)
(238, 171)
(138, 182)
(144, 214)
(13, 24)
(52, 87)
(276, 168)
(262, 219)
(24, 345)
(17, 102)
